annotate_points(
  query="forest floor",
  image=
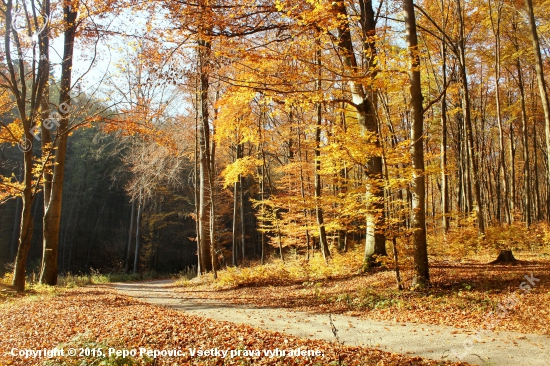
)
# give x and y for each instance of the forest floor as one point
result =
(291, 311)
(473, 312)
(87, 319)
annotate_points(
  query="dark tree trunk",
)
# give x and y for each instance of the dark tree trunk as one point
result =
(130, 232)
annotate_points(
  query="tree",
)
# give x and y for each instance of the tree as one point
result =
(20, 71)
(418, 219)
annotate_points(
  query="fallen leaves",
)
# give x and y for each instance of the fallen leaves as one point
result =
(99, 317)
(462, 296)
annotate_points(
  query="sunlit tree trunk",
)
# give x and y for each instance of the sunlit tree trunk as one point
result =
(502, 156)
(375, 241)
(317, 177)
(471, 151)
(525, 139)
(418, 220)
(28, 105)
(52, 214)
(541, 81)
(443, 152)
(204, 146)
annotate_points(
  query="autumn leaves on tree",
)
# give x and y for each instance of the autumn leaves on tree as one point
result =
(315, 125)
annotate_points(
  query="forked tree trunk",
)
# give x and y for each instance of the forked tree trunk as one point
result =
(52, 214)
(375, 241)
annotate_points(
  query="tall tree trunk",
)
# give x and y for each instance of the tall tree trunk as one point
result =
(502, 152)
(541, 82)
(28, 105)
(471, 151)
(243, 222)
(235, 209)
(418, 220)
(213, 243)
(204, 147)
(317, 177)
(52, 214)
(525, 139)
(375, 241)
(197, 183)
(303, 192)
(444, 181)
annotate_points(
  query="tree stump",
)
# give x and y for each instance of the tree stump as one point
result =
(505, 257)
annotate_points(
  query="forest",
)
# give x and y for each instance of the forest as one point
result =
(387, 159)
(220, 134)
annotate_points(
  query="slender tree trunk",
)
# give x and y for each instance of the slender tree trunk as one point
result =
(130, 232)
(213, 242)
(502, 152)
(472, 153)
(196, 185)
(418, 220)
(204, 144)
(444, 181)
(317, 177)
(15, 233)
(303, 192)
(525, 138)
(243, 222)
(138, 232)
(235, 209)
(512, 197)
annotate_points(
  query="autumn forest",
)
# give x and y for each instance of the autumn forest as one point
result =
(205, 136)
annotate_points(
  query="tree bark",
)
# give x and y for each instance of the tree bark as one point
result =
(52, 214)
(235, 210)
(418, 220)
(541, 81)
(375, 241)
(317, 176)
(525, 139)
(204, 147)
(444, 180)
(471, 150)
(502, 152)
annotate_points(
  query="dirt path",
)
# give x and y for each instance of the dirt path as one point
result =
(427, 341)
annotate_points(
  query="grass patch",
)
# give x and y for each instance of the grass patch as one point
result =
(278, 272)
